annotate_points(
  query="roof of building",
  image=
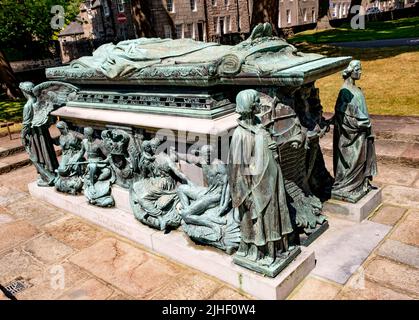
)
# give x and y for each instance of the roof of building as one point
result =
(73, 28)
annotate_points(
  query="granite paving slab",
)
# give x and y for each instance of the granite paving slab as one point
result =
(400, 252)
(344, 247)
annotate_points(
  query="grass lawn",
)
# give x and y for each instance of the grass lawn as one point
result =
(376, 30)
(390, 78)
(11, 111)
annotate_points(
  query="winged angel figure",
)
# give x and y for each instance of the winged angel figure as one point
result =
(35, 135)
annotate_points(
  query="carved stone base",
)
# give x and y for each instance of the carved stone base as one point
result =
(271, 271)
(306, 240)
(354, 211)
(177, 245)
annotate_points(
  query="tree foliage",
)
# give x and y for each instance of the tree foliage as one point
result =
(26, 21)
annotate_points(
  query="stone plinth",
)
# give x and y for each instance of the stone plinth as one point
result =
(177, 246)
(354, 211)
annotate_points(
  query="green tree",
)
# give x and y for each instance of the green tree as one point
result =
(25, 22)
(26, 32)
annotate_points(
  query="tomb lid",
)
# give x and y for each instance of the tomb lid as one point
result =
(262, 59)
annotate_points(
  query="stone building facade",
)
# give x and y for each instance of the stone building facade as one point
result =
(225, 21)
(388, 5)
(339, 9)
(98, 22)
(205, 20)
(179, 19)
(297, 12)
(121, 12)
(91, 24)
(227, 17)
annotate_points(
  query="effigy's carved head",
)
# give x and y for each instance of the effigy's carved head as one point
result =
(247, 103)
(353, 70)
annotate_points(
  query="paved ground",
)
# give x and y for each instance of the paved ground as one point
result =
(391, 271)
(39, 243)
(379, 43)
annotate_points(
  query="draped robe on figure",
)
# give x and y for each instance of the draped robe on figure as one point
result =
(41, 148)
(354, 157)
(259, 197)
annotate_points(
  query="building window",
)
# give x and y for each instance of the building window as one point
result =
(187, 33)
(167, 31)
(279, 18)
(305, 15)
(193, 5)
(179, 31)
(214, 3)
(222, 25)
(226, 2)
(216, 25)
(288, 16)
(313, 15)
(227, 27)
(120, 5)
(170, 6)
(193, 30)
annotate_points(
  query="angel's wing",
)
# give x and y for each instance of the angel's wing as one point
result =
(50, 95)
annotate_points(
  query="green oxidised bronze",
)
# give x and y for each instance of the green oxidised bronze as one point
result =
(354, 160)
(259, 207)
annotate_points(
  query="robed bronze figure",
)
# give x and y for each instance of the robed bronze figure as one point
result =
(354, 160)
(258, 192)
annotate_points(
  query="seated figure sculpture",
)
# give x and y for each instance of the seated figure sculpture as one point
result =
(153, 196)
(207, 215)
(99, 176)
(258, 193)
(69, 172)
(123, 152)
(354, 160)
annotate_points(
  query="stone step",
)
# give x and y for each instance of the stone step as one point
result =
(12, 153)
(18, 160)
(394, 128)
(9, 146)
(13, 162)
(388, 151)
